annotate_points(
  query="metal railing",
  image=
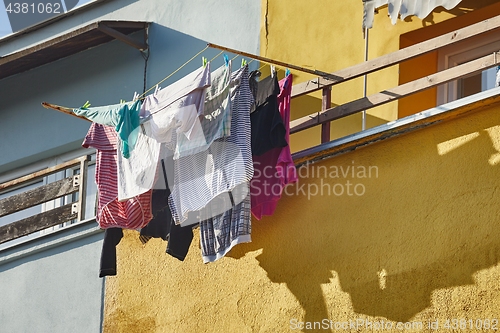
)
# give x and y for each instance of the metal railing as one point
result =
(328, 114)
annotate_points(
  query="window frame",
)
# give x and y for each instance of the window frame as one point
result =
(455, 54)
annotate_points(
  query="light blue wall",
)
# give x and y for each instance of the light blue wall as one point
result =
(113, 71)
(52, 284)
(28, 132)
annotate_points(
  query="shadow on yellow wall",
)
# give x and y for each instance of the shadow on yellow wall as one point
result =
(427, 220)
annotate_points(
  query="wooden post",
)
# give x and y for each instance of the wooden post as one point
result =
(325, 105)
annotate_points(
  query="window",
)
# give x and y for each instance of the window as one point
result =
(460, 53)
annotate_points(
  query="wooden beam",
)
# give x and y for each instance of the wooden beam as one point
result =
(49, 43)
(126, 24)
(272, 61)
(396, 93)
(37, 196)
(396, 57)
(36, 223)
(70, 43)
(63, 109)
(122, 37)
(44, 172)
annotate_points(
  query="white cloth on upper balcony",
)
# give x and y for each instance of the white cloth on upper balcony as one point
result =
(403, 8)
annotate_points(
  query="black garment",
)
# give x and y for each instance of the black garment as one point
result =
(268, 130)
(159, 226)
(112, 237)
(179, 241)
(162, 225)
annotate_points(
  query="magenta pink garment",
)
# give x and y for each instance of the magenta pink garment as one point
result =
(285, 166)
(274, 169)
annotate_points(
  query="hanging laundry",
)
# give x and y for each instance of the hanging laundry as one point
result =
(209, 183)
(112, 237)
(215, 120)
(286, 167)
(175, 109)
(218, 235)
(133, 213)
(159, 226)
(164, 113)
(137, 174)
(274, 169)
(123, 117)
(268, 130)
(162, 226)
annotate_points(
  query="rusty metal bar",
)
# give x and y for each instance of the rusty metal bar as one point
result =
(326, 103)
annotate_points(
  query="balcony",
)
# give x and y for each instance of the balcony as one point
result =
(62, 200)
(446, 81)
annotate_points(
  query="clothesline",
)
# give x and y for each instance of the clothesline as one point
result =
(213, 161)
(68, 110)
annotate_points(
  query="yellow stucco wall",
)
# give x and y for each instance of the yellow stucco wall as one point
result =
(419, 241)
(419, 244)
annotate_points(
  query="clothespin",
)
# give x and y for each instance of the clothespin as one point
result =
(287, 72)
(243, 62)
(157, 89)
(226, 59)
(204, 61)
(136, 96)
(273, 70)
(86, 105)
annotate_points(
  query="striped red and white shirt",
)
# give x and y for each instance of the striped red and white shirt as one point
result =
(133, 213)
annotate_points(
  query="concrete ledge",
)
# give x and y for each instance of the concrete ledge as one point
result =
(26, 247)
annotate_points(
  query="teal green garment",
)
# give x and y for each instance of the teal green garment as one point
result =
(123, 117)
